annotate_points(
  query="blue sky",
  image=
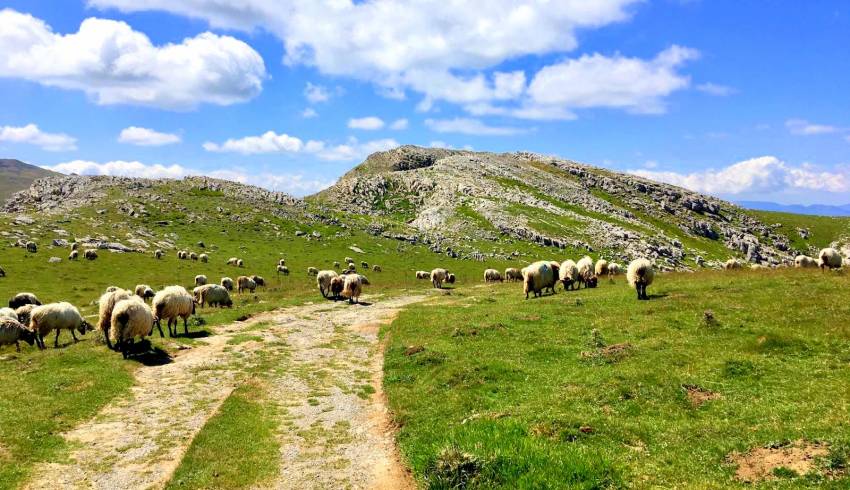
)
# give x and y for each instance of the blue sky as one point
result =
(745, 100)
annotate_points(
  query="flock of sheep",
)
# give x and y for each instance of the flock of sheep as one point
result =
(348, 284)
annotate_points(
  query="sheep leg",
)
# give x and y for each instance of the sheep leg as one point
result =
(185, 325)
(17, 346)
(108, 342)
(56, 340)
(39, 341)
(159, 327)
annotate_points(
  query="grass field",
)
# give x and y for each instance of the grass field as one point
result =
(593, 389)
(823, 229)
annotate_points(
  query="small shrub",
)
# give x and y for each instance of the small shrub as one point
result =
(453, 468)
(709, 320)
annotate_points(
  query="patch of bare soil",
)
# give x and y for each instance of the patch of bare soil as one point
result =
(759, 464)
(609, 353)
(698, 395)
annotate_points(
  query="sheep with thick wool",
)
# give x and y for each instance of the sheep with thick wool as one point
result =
(312, 271)
(281, 262)
(24, 313)
(614, 269)
(829, 258)
(352, 288)
(537, 277)
(492, 275)
(8, 313)
(601, 268)
(57, 316)
(423, 275)
(200, 280)
(337, 285)
(513, 274)
(214, 295)
(438, 277)
(640, 275)
(22, 299)
(144, 291)
(12, 331)
(586, 272)
(244, 283)
(568, 275)
(732, 264)
(74, 255)
(282, 269)
(170, 304)
(131, 318)
(227, 283)
(204, 258)
(259, 281)
(106, 304)
(804, 262)
(90, 254)
(158, 254)
(233, 261)
(323, 281)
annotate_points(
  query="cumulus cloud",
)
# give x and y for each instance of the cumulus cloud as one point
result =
(715, 89)
(295, 184)
(370, 123)
(32, 135)
(316, 93)
(399, 124)
(146, 137)
(762, 175)
(476, 127)
(271, 142)
(115, 64)
(443, 50)
(805, 128)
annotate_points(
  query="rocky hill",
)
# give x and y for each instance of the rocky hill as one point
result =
(463, 197)
(16, 175)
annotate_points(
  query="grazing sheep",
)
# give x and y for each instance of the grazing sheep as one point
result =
(90, 254)
(364, 265)
(537, 277)
(451, 278)
(106, 304)
(492, 275)
(227, 283)
(423, 275)
(75, 246)
(364, 280)
(556, 268)
(312, 271)
(349, 260)
(74, 255)
(24, 313)
(112, 288)
(57, 316)
(513, 274)
(22, 299)
(731, 264)
(214, 295)
(232, 261)
(144, 291)
(568, 275)
(204, 258)
(131, 318)
(170, 304)
(245, 282)
(32, 247)
(259, 281)
(336, 264)
(438, 277)
(240, 263)
(182, 255)
(12, 331)
(323, 280)
(8, 313)
(829, 258)
(337, 285)
(601, 268)
(804, 261)
(352, 288)
(281, 262)
(282, 269)
(586, 272)
(640, 275)
(376, 268)
(200, 280)
(351, 268)
(613, 270)
(158, 254)
(193, 256)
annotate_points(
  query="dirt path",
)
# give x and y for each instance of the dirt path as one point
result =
(334, 432)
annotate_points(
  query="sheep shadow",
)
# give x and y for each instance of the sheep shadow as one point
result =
(146, 354)
(362, 303)
(658, 295)
(196, 334)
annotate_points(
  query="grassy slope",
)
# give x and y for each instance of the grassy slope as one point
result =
(519, 403)
(823, 229)
(16, 176)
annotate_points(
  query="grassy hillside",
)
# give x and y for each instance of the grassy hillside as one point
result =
(823, 229)
(16, 175)
(593, 389)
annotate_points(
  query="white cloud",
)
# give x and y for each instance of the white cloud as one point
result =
(760, 175)
(370, 123)
(476, 127)
(316, 93)
(32, 135)
(716, 89)
(146, 137)
(399, 124)
(805, 128)
(271, 142)
(309, 113)
(114, 64)
(295, 184)
(418, 45)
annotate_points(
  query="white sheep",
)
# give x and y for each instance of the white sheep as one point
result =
(829, 258)
(90, 254)
(804, 261)
(24, 312)
(281, 262)
(22, 299)
(732, 264)
(568, 275)
(214, 295)
(352, 288)
(323, 281)
(492, 275)
(245, 282)
(423, 275)
(131, 318)
(204, 258)
(312, 271)
(349, 260)
(227, 283)
(336, 264)
(438, 277)
(12, 331)
(259, 281)
(613, 269)
(601, 268)
(32, 247)
(377, 268)
(556, 268)
(106, 304)
(200, 280)
(282, 269)
(450, 278)
(144, 291)
(74, 255)
(640, 275)
(232, 261)
(75, 246)
(586, 272)
(57, 316)
(112, 288)
(170, 304)
(513, 274)
(537, 277)
(193, 256)
(240, 263)
(337, 285)
(8, 313)
(158, 254)
(182, 255)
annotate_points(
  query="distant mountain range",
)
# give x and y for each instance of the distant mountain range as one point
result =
(16, 175)
(813, 209)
